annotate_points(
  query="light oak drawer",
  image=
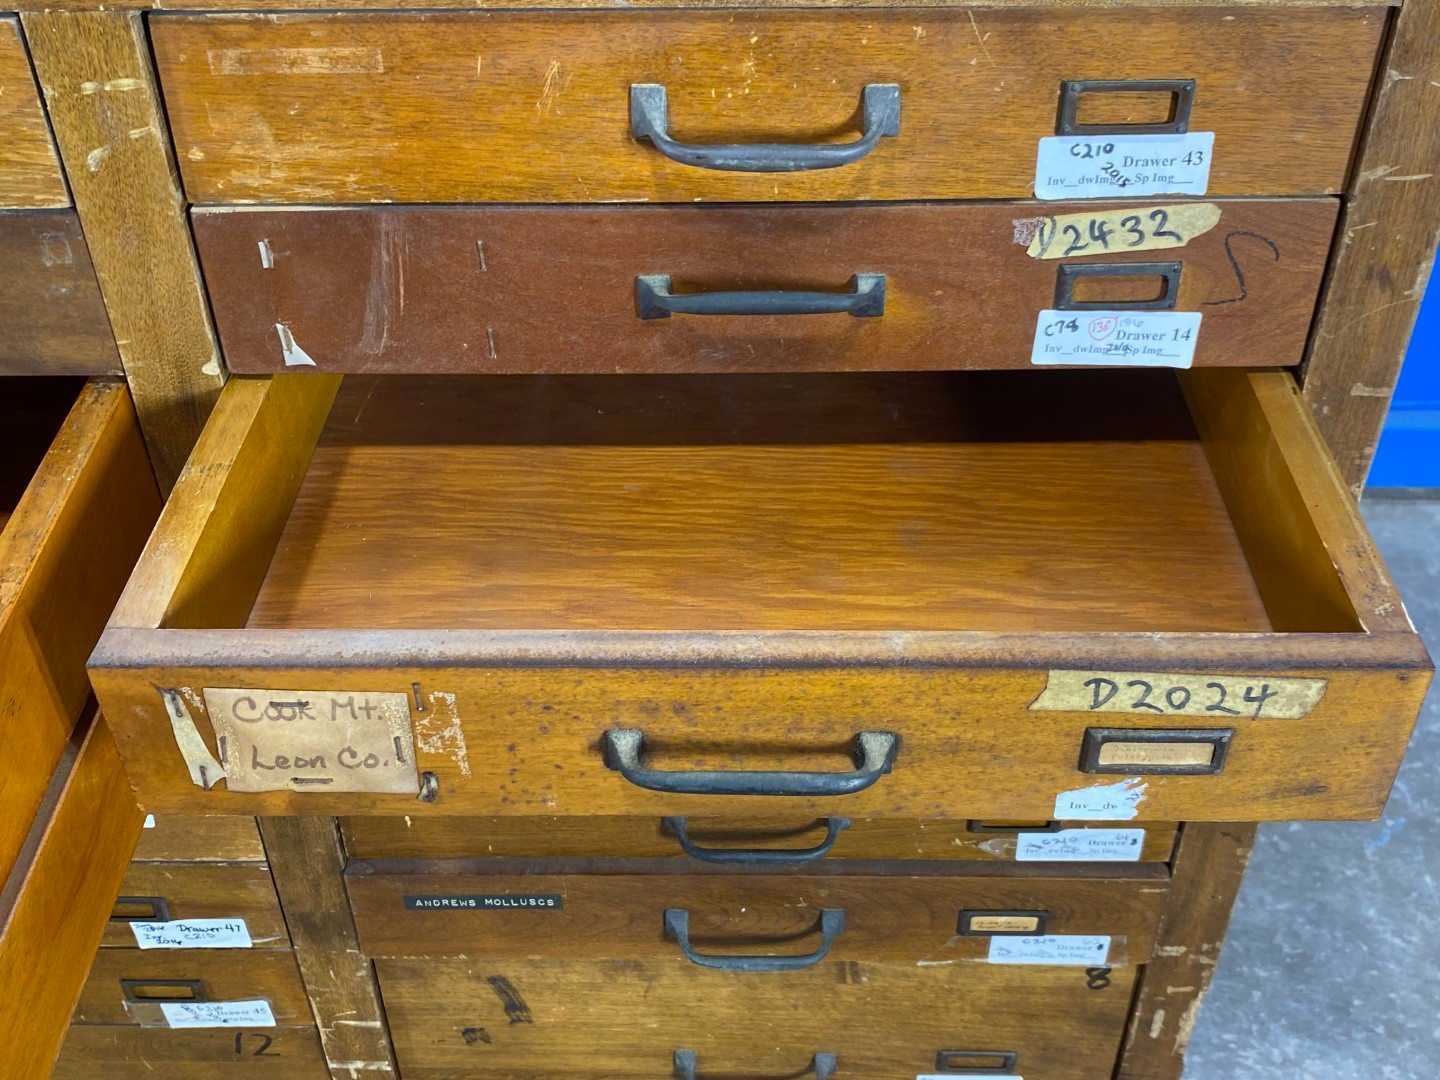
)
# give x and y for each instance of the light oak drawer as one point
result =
(160, 892)
(479, 290)
(728, 921)
(521, 107)
(30, 173)
(174, 838)
(119, 1052)
(126, 985)
(958, 596)
(775, 841)
(527, 1019)
(50, 304)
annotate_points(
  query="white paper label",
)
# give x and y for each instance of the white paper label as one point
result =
(951, 1076)
(212, 1014)
(149, 821)
(1123, 166)
(1081, 845)
(1116, 338)
(1119, 801)
(193, 934)
(1080, 950)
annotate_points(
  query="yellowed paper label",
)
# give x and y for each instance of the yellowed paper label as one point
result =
(1106, 232)
(314, 740)
(1141, 693)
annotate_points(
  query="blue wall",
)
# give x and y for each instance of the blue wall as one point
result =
(1409, 452)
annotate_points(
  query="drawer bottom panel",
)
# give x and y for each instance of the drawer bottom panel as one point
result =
(121, 1052)
(536, 1019)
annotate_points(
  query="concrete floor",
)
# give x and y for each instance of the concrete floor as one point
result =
(1332, 967)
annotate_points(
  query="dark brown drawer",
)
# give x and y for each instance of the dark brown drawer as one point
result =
(797, 840)
(119, 1052)
(728, 920)
(160, 892)
(126, 985)
(510, 106)
(176, 838)
(479, 290)
(533, 1019)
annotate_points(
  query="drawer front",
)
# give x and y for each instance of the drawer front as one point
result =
(50, 304)
(410, 837)
(527, 1019)
(456, 290)
(118, 1052)
(30, 173)
(536, 107)
(151, 976)
(159, 892)
(731, 920)
(175, 838)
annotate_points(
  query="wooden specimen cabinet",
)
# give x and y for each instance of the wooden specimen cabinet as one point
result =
(629, 603)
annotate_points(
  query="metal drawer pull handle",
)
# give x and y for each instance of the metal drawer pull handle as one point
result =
(157, 909)
(676, 826)
(1071, 90)
(677, 926)
(183, 990)
(873, 751)
(650, 122)
(1070, 273)
(822, 1065)
(865, 299)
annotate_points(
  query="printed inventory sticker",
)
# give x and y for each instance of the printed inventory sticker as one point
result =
(1116, 338)
(212, 1014)
(1079, 950)
(1123, 166)
(1081, 845)
(193, 934)
(1119, 801)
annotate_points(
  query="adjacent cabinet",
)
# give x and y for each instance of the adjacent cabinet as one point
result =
(763, 541)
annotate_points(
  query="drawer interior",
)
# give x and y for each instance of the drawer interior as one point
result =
(31, 412)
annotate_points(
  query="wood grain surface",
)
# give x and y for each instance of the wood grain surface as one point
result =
(204, 892)
(121, 1052)
(478, 107)
(408, 837)
(889, 917)
(979, 5)
(526, 1019)
(477, 290)
(200, 839)
(50, 303)
(30, 173)
(225, 975)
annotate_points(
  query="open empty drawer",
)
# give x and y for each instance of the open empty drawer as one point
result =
(1105, 595)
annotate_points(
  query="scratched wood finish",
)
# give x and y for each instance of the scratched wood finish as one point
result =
(50, 303)
(889, 918)
(526, 1019)
(100, 89)
(1386, 249)
(195, 839)
(404, 837)
(203, 892)
(119, 1052)
(413, 289)
(979, 5)
(224, 974)
(54, 904)
(515, 107)
(516, 703)
(30, 173)
(65, 552)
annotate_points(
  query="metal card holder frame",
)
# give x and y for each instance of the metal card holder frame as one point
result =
(1072, 90)
(1069, 274)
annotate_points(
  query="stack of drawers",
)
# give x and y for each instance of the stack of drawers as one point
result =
(722, 662)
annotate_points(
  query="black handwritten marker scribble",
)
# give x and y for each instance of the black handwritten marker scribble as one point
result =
(515, 1008)
(1230, 239)
(473, 1035)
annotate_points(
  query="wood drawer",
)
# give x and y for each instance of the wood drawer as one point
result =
(174, 838)
(467, 290)
(751, 572)
(152, 975)
(527, 1019)
(408, 837)
(30, 173)
(77, 500)
(120, 1052)
(50, 304)
(475, 107)
(634, 911)
(158, 892)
